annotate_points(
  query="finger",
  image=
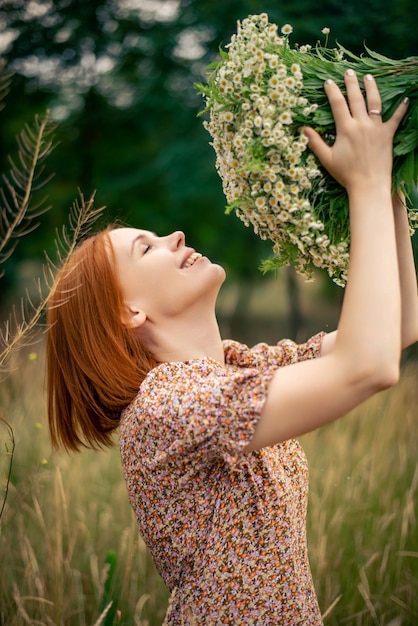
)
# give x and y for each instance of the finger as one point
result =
(338, 103)
(318, 145)
(374, 101)
(355, 97)
(394, 121)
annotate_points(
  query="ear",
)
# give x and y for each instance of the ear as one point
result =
(132, 317)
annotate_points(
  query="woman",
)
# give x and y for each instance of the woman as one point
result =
(214, 475)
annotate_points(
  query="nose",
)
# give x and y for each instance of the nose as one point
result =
(176, 239)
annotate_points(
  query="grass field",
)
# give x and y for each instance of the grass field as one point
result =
(70, 551)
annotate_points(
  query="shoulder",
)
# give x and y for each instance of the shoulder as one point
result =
(168, 384)
(198, 409)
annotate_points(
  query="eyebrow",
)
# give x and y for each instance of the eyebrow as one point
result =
(139, 238)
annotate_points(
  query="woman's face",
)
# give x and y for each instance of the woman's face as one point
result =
(161, 276)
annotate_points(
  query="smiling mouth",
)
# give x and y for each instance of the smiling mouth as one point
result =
(195, 256)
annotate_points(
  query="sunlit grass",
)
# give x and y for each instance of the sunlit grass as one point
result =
(363, 534)
(68, 541)
(70, 551)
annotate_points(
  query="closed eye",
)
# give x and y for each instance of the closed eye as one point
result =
(142, 237)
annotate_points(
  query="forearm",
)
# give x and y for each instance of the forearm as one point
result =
(366, 353)
(369, 327)
(407, 274)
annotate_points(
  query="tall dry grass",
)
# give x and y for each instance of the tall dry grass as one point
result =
(68, 541)
(363, 533)
(70, 552)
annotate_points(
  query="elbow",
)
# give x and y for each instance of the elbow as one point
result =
(377, 368)
(388, 377)
(370, 374)
(381, 376)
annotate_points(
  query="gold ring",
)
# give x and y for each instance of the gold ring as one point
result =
(375, 112)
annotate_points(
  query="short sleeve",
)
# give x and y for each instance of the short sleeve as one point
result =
(201, 416)
(262, 355)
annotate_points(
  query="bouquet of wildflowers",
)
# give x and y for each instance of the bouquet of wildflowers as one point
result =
(259, 95)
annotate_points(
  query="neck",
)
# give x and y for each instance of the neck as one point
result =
(183, 340)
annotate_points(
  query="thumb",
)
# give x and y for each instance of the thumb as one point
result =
(317, 144)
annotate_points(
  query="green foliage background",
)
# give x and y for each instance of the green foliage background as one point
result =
(118, 75)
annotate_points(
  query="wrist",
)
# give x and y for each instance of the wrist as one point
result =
(368, 196)
(370, 187)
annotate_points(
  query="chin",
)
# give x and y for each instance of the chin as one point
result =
(214, 284)
(220, 272)
(220, 278)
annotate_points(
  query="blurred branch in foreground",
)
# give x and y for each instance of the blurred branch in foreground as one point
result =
(9, 451)
(19, 216)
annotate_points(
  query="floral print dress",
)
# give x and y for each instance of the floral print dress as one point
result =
(226, 529)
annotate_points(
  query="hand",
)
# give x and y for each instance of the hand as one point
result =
(361, 155)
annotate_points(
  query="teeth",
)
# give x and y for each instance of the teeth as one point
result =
(192, 258)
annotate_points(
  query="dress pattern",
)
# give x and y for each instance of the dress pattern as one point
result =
(226, 529)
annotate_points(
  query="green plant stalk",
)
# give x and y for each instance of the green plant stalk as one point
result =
(110, 594)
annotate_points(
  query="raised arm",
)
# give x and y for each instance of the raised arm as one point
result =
(365, 355)
(407, 279)
(407, 273)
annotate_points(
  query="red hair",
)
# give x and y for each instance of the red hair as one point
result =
(95, 364)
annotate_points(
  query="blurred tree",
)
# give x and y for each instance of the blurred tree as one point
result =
(120, 77)
(119, 74)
